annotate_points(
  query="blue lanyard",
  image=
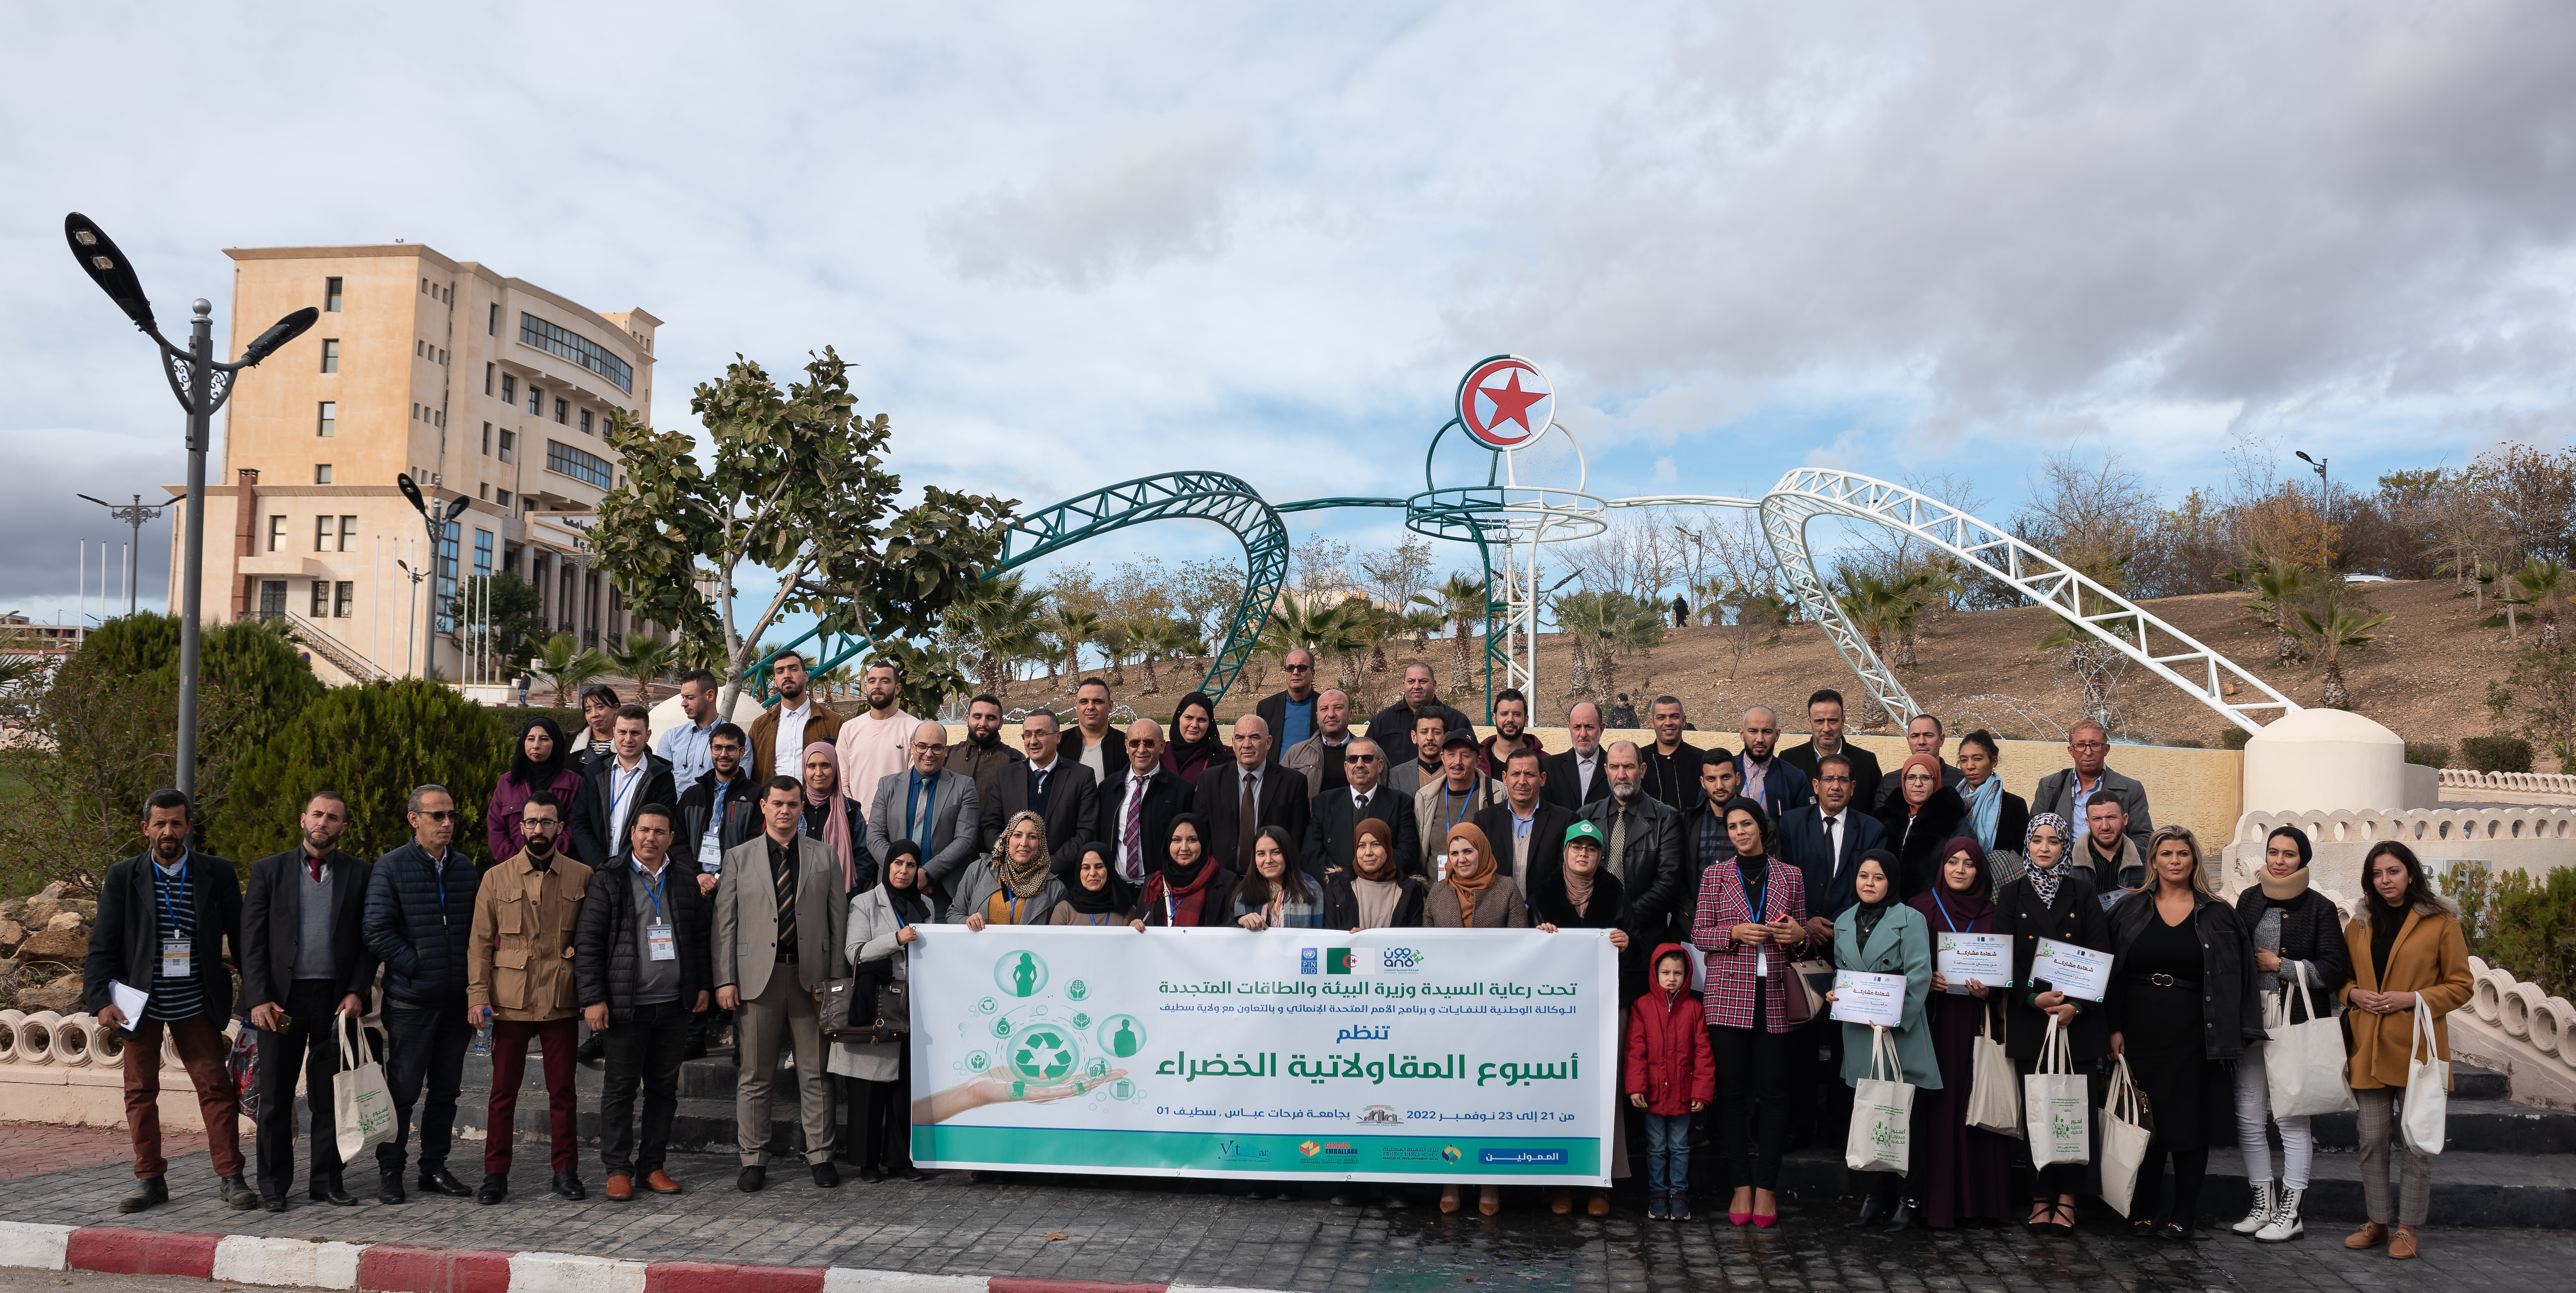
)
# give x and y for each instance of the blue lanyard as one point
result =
(161, 885)
(653, 885)
(1171, 913)
(897, 909)
(1760, 897)
(1466, 805)
(1945, 912)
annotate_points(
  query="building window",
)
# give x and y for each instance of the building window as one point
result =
(509, 441)
(489, 371)
(424, 287)
(344, 599)
(482, 554)
(331, 295)
(441, 418)
(447, 576)
(554, 340)
(321, 534)
(585, 421)
(509, 389)
(447, 295)
(492, 322)
(277, 533)
(563, 413)
(329, 422)
(588, 467)
(442, 359)
(502, 497)
(272, 598)
(348, 534)
(330, 355)
(487, 439)
(419, 348)
(536, 401)
(487, 491)
(321, 599)
(321, 473)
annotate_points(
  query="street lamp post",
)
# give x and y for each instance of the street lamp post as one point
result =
(133, 514)
(436, 518)
(2325, 502)
(202, 385)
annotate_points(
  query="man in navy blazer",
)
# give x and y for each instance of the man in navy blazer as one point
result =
(1825, 839)
(1773, 782)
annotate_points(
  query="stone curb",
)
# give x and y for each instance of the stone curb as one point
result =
(405, 1268)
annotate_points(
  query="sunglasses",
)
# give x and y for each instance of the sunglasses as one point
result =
(1296, 668)
(440, 814)
(1359, 758)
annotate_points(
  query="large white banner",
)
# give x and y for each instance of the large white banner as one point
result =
(1388, 1055)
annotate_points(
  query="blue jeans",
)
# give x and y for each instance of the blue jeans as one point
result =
(1668, 1151)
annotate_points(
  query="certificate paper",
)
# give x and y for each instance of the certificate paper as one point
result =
(1987, 958)
(2075, 971)
(1869, 998)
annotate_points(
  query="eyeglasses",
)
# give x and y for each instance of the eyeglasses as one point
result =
(439, 814)
(1296, 668)
(1839, 781)
(2090, 745)
(1359, 758)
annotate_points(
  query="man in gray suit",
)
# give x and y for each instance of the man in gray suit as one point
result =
(779, 926)
(929, 806)
(2067, 792)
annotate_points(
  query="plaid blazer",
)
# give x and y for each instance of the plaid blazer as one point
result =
(1731, 981)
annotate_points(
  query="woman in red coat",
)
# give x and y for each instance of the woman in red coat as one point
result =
(1669, 1074)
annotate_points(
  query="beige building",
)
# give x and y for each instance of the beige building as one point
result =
(478, 385)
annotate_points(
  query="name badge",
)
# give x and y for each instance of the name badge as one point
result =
(710, 854)
(176, 955)
(657, 941)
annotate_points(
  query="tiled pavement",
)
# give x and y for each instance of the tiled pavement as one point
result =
(37, 1149)
(1119, 1230)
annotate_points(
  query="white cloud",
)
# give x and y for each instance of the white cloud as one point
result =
(1127, 203)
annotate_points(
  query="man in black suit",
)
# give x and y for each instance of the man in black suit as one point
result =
(1641, 840)
(1278, 797)
(1138, 803)
(1055, 788)
(1093, 743)
(1394, 726)
(1825, 840)
(1825, 736)
(165, 919)
(614, 787)
(1338, 812)
(1671, 764)
(1923, 735)
(306, 971)
(1527, 831)
(1575, 777)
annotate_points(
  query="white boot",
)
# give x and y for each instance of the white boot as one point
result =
(2285, 1222)
(2265, 1200)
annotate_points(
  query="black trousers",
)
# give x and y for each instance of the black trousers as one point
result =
(885, 1119)
(642, 1050)
(1754, 1068)
(307, 1043)
(424, 1047)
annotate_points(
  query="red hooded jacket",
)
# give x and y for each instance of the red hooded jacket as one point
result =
(1668, 1060)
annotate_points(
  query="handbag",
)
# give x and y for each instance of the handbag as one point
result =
(362, 1109)
(2126, 1131)
(886, 1016)
(2426, 1104)
(2055, 1112)
(2304, 1063)
(1994, 1090)
(1882, 1111)
(1806, 1000)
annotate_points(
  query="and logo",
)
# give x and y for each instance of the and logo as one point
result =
(1505, 402)
(1043, 1054)
(1399, 960)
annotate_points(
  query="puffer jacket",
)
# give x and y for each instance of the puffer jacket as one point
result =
(605, 950)
(419, 925)
(1668, 1060)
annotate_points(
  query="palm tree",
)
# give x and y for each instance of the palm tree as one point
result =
(1073, 627)
(2339, 628)
(1585, 621)
(2537, 586)
(1461, 600)
(1324, 630)
(1165, 639)
(2277, 588)
(1117, 641)
(1003, 620)
(566, 665)
(646, 660)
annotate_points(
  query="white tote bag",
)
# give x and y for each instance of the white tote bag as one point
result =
(1994, 1089)
(1882, 1119)
(2125, 1134)
(2055, 1111)
(2303, 1064)
(362, 1110)
(2422, 1110)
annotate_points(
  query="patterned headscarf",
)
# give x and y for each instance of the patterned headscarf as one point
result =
(2044, 881)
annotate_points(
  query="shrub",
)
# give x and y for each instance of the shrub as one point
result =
(2523, 925)
(373, 744)
(2495, 753)
(2430, 754)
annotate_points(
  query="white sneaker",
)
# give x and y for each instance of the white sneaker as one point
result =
(2265, 1202)
(2285, 1223)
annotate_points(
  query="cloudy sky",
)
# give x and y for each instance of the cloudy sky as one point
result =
(1074, 244)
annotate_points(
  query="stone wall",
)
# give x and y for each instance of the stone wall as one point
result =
(2531, 839)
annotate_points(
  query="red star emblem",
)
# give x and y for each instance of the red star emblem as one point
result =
(1511, 403)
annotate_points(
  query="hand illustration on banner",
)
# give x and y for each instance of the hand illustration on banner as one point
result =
(995, 1088)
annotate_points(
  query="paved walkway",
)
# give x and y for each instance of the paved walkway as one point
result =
(1191, 1232)
(37, 1149)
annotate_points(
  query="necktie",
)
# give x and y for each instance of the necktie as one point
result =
(1834, 844)
(784, 877)
(1247, 829)
(1619, 842)
(1136, 829)
(313, 864)
(1037, 791)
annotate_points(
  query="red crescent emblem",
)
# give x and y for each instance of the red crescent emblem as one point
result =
(1496, 406)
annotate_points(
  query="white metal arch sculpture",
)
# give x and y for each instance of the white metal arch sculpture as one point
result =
(1807, 493)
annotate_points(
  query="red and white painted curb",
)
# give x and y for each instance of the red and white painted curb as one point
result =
(406, 1268)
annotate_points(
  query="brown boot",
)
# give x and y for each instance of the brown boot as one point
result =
(1563, 1202)
(2402, 1244)
(2368, 1236)
(621, 1187)
(1600, 1204)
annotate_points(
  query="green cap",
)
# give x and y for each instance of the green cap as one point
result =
(1584, 830)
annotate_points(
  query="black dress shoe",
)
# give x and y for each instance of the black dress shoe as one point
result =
(870, 1175)
(752, 1179)
(1870, 1208)
(239, 1195)
(390, 1189)
(568, 1184)
(496, 1187)
(274, 1203)
(330, 1191)
(826, 1176)
(153, 1191)
(1901, 1220)
(593, 1051)
(910, 1173)
(438, 1180)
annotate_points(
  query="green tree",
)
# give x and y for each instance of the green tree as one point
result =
(517, 624)
(1460, 599)
(1074, 628)
(796, 485)
(646, 660)
(372, 744)
(999, 624)
(2539, 586)
(2342, 627)
(565, 664)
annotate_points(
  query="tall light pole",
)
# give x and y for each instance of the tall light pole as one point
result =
(133, 514)
(436, 518)
(2325, 503)
(202, 385)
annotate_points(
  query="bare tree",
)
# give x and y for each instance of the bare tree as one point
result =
(1316, 569)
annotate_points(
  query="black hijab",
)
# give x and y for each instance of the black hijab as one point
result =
(1870, 912)
(912, 904)
(1202, 751)
(533, 776)
(1111, 899)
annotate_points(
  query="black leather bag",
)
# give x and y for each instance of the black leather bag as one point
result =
(870, 1006)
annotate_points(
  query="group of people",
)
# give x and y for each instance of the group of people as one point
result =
(665, 896)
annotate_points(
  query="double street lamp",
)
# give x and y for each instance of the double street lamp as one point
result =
(133, 514)
(202, 385)
(436, 518)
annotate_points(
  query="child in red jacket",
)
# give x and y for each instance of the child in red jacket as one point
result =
(1670, 1075)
